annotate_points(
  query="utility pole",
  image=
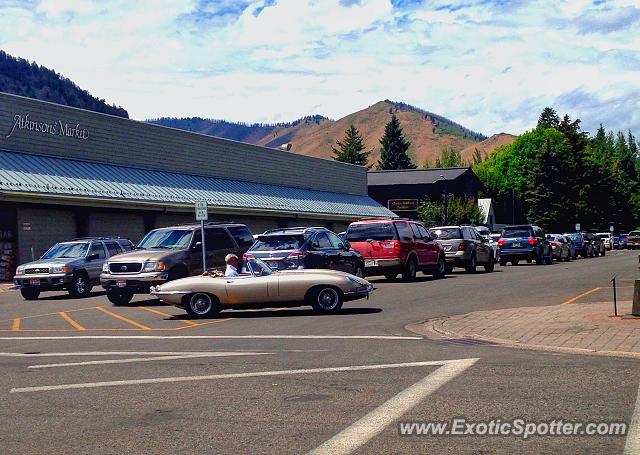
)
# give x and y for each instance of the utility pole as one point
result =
(445, 199)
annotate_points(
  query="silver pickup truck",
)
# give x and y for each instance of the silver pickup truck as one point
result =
(74, 266)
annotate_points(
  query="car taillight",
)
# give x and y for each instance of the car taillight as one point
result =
(533, 241)
(298, 254)
(461, 247)
(395, 245)
(554, 243)
(501, 242)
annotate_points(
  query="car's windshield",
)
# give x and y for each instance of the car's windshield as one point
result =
(170, 239)
(495, 236)
(278, 242)
(516, 233)
(552, 237)
(67, 250)
(447, 233)
(371, 231)
(257, 267)
(575, 237)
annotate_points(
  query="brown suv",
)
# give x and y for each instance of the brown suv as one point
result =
(170, 253)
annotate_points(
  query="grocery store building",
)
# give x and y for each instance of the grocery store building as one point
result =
(67, 172)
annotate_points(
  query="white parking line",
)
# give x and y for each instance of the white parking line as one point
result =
(149, 359)
(377, 420)
(216, 337)
(105, 353)
(632, 446)
(86, 385)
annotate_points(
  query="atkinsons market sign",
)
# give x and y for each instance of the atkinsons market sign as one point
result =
(58, 128)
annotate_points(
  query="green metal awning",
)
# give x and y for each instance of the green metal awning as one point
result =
(37, 174)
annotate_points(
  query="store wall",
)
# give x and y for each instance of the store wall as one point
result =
(40, 228)
(114, 140)
(123, 224)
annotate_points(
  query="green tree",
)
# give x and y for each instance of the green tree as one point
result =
(548, 118)
(459, 210)
(393, 154)
(351, 148)
(449, 158)
(431, 213)
(477, 157)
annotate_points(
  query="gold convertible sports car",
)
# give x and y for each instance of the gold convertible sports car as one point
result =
(260, 286)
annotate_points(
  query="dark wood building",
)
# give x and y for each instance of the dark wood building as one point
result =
(401, 191)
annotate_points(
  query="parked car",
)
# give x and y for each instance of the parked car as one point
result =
(562, 247)
(598, 244)
(584, 248)
(524, 242)
(306, 248)
(607, 239)
(633, 240)
(170, 253)
(73, 266)
(616, 242)
(390, 247)
(492, 239)
(261, 286)
(465, 247)
(623, 241)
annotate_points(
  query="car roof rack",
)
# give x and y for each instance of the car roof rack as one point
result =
(292, 228)
(117, 237)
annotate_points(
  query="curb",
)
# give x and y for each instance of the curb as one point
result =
(434, 330)
(7, 287)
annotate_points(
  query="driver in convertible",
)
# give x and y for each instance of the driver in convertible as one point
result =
(232, 265)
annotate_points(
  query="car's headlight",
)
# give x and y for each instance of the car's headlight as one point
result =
(154, 266)
(20, 270)
(60, 269)
(105, 267)
(355, 281)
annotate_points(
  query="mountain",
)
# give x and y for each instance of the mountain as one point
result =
(20, 77)
(487, 146)
(429, 133)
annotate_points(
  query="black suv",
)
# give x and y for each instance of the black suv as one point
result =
(170, 253)
(306, 248)
(524, 242)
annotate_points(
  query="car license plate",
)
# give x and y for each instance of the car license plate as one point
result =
(516, 245)
(370, 263)
(121, 283)
(34, 282)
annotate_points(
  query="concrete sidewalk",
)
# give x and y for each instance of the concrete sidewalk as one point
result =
(6, 287)
(585, 328)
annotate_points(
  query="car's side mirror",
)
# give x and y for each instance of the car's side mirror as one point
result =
(93, 257)
(347, 245)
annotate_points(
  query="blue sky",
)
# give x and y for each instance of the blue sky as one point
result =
(491, 65)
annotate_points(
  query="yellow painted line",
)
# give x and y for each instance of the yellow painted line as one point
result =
(162, 313)
(49, 314)
(122, 318)
(15, 326)
(71, 321)
(217, 321)
(578, 297)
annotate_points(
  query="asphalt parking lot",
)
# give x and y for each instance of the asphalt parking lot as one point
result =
(83, 376)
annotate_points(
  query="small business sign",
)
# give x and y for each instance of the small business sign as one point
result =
(57, 128)
(577, 226)
(202, 212)
(403, 205)
(26, 226)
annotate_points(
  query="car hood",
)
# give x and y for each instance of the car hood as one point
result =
(142, 255)
(40, 263)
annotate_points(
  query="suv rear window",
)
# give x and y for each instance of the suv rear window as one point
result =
(516, 233)
(634, 233)
(448, 233)
(278, 242)
(373, 231)
(242, 235)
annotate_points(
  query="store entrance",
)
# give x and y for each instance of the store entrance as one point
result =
(8, 253)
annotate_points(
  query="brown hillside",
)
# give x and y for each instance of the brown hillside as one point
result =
(427, 140)
(488, 146)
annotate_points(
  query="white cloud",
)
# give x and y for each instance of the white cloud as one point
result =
(491, 66)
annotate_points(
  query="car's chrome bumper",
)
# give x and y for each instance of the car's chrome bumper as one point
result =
(360, 292)
(155, 290)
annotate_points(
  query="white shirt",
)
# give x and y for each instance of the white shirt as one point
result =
(231, 271)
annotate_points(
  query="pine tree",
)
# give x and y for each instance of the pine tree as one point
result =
(548, 118)
(393, 154)
(351, 148)
(449, 158)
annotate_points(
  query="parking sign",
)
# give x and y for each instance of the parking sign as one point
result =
(577, 226)
(202, 213)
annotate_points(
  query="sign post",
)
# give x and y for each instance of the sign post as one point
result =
(202, 214)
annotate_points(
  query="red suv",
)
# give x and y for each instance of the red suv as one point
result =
(392, 246)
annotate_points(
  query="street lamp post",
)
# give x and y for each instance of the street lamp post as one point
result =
(445, 199)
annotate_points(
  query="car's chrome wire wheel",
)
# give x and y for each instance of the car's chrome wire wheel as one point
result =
(328, 299)
(200, 303)
(80, 285)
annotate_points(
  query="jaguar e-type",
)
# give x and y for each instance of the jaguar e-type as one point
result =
(260, 286)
